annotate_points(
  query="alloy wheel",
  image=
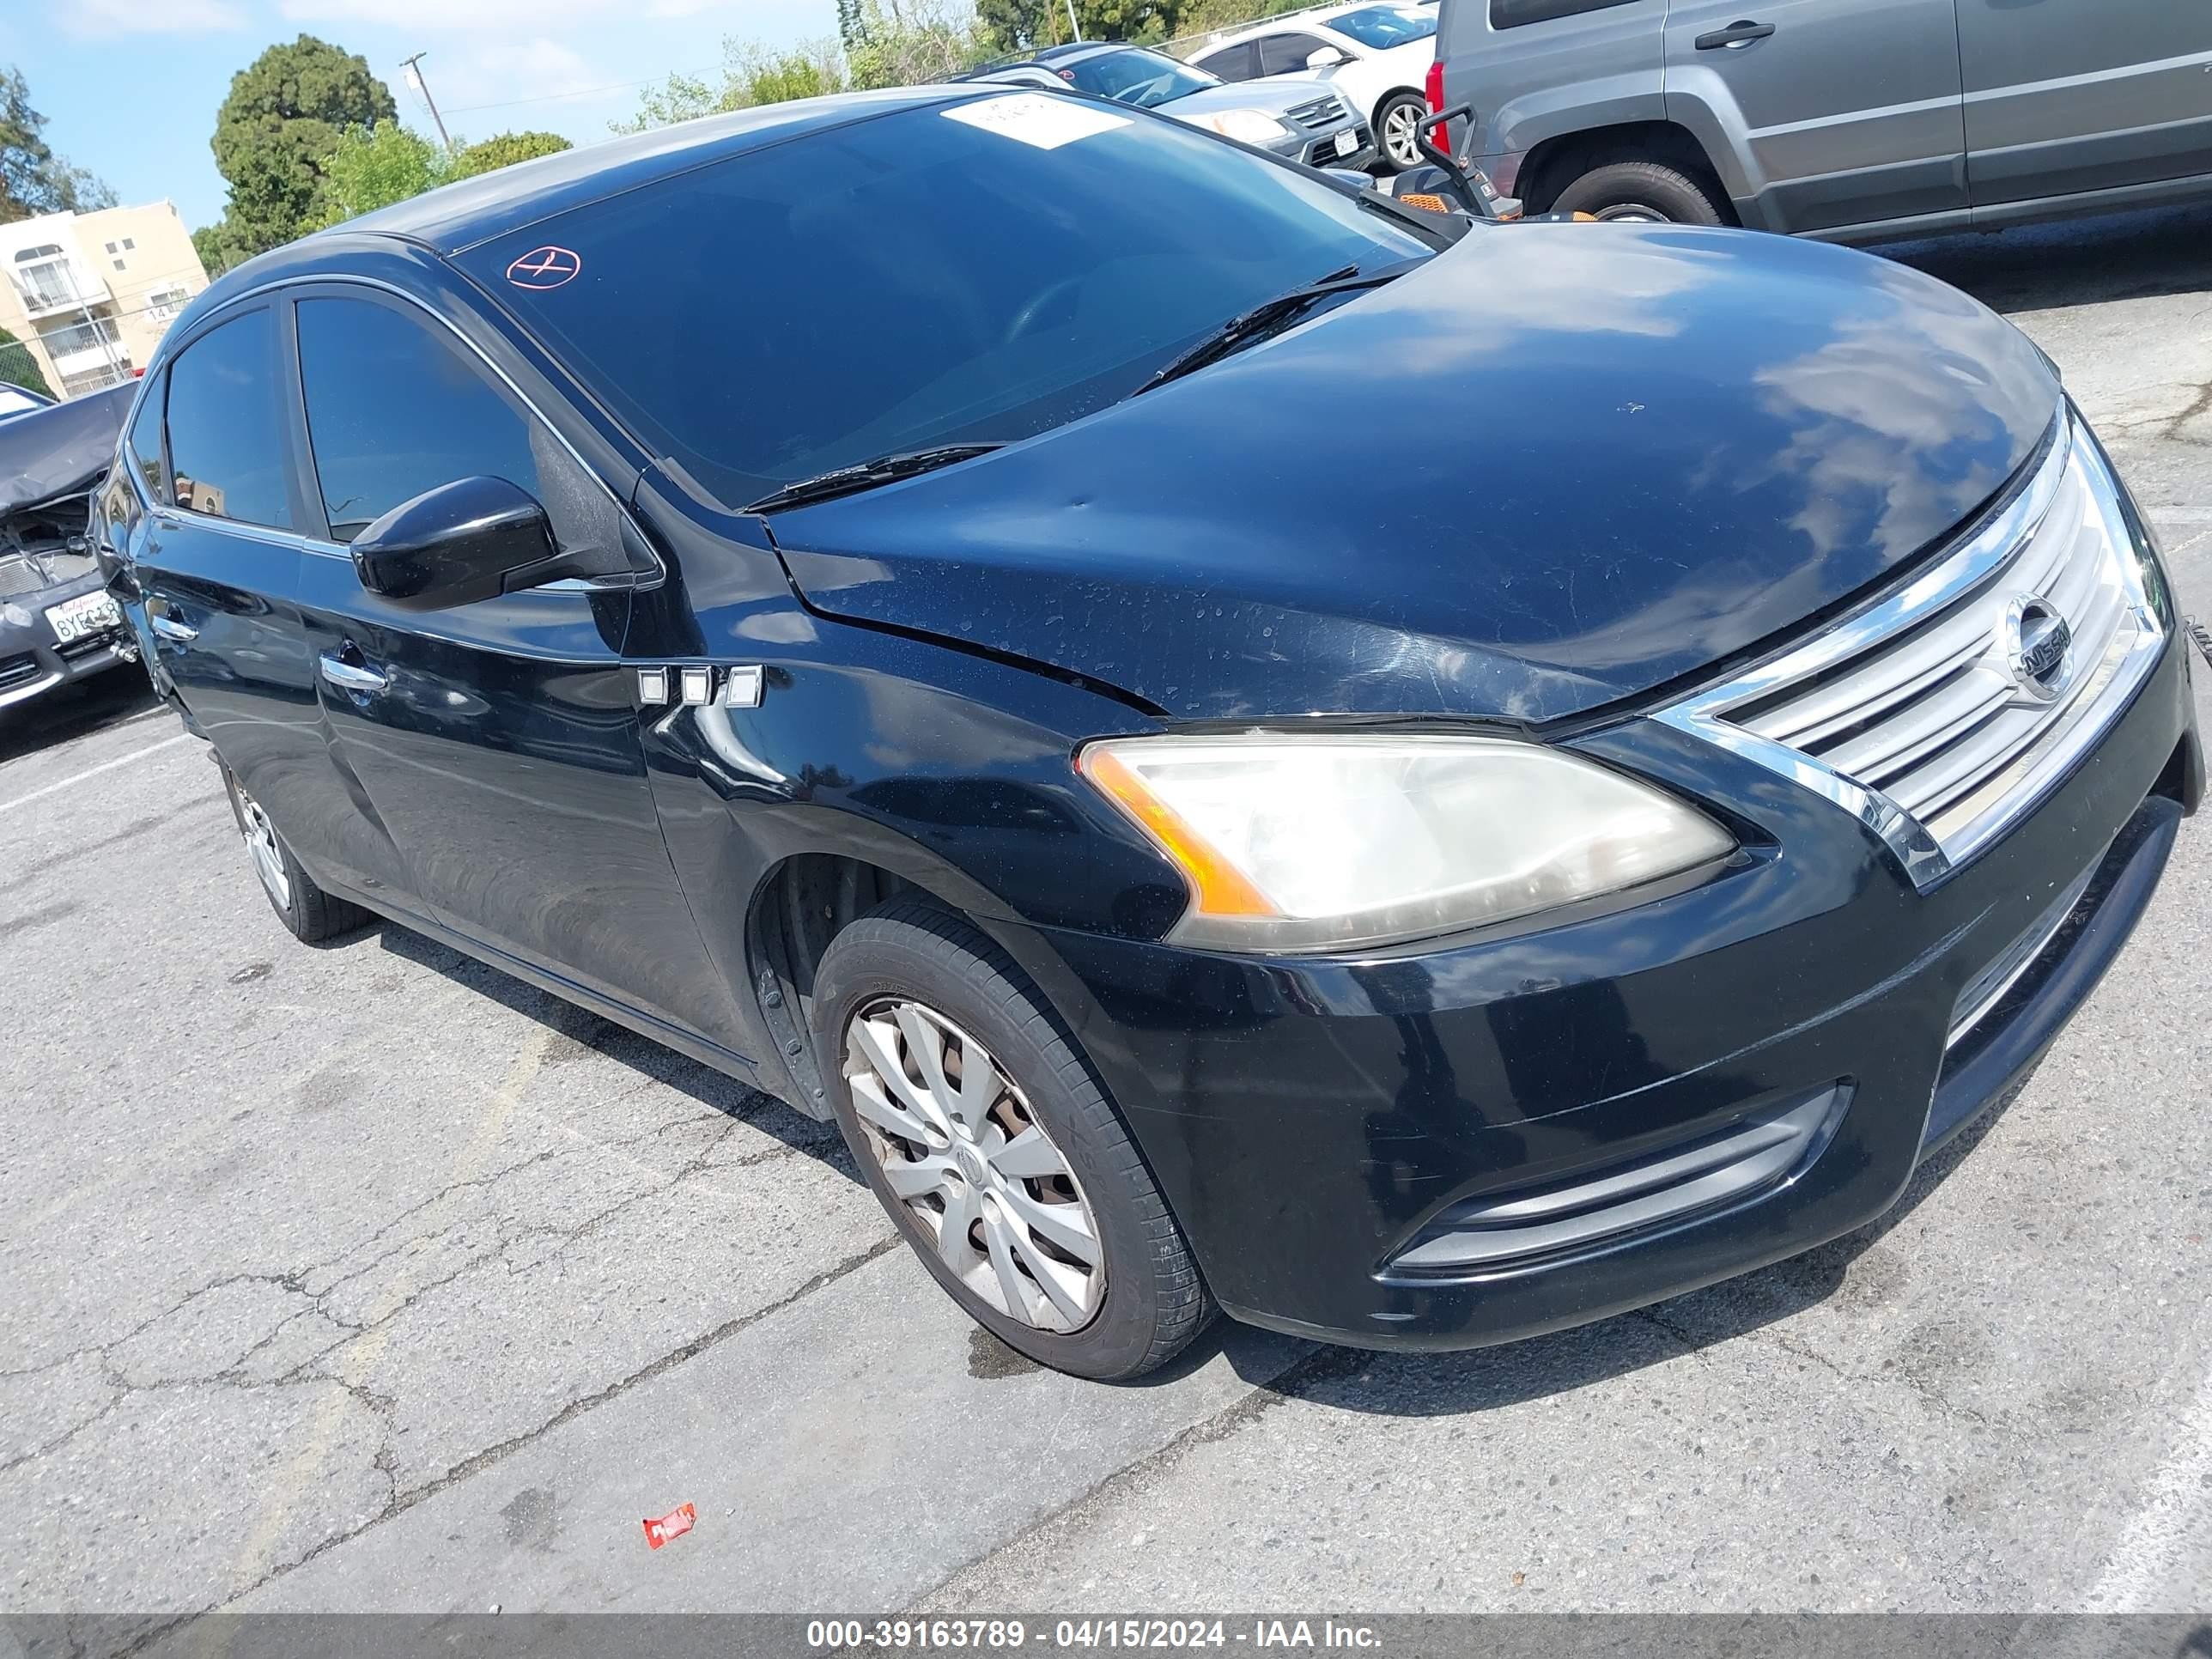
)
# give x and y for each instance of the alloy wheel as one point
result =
(261, 843)
(960, 1148)
(1401, 125)
(1632, 213)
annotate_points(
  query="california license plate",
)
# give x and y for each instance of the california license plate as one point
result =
(1346, 142)
(86, 615)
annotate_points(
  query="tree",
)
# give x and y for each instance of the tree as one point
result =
(750, 75)
(374, 168)
(1022, 25)
(505, 150)
(18, 364)
(33, 179)
(285, 115)
(208, 243)
(919, 41)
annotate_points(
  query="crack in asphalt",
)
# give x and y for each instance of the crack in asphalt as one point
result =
(400, 1500)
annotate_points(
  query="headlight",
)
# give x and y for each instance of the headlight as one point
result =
(1297, 842)
(1246, 126)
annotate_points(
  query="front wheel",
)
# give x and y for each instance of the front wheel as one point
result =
(1641, 193)
(992, 1146)
(1397, 121)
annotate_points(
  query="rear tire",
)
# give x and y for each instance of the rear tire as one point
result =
(1641, 191)
(309, 914)
(1397, 117)
(1067, 1253)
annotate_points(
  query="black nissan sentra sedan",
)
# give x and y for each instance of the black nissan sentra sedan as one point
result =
(1417, 782)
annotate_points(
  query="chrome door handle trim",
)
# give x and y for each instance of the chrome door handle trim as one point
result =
(351, 677)
(170, 629)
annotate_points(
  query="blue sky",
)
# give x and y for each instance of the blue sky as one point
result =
(130, 87)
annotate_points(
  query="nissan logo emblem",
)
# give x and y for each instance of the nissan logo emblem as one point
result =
(2038, 647)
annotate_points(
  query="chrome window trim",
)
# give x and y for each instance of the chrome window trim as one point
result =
(632, 581)
(1950, 577)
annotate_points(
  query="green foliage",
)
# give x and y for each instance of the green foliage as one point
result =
(286, 115)
(505, 150)
(374, 169)
(881, 43)
(208, 243)
(916, 42)
(33, 179)
(750, 75)
(18, 364)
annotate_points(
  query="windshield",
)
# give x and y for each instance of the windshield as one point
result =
(1383, 27)
(1142, 78)
(964, 273)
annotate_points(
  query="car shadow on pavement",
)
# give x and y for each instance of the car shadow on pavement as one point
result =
(76, 710)
(1843, 1271)
(2073, 262)
(1350, 1379)
(577, 1031)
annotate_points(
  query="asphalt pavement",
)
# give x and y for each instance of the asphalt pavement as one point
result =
(366, 1278)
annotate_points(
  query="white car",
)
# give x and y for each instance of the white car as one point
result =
(1378, 56)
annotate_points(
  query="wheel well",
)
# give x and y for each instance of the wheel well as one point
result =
(1375, 115)
(806, 902)
(1554, 164)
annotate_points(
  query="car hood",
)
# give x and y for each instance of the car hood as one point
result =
(1555, 467)
(1269, 97)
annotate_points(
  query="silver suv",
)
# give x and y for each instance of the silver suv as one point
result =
(1846, 119)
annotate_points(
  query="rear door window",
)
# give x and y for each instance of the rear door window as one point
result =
(1513, 14)
(1239, 63)
(225, 424)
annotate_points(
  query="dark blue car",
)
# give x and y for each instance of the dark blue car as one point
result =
(1415, 782)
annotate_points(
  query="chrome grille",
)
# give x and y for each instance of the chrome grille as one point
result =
(1321, 113)
(1920, 714)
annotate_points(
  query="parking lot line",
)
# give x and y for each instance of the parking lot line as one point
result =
(93, 771)
(2147, 1570)
(258, 1558)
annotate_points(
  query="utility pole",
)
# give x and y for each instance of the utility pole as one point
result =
(1074, 29)
(414, 80)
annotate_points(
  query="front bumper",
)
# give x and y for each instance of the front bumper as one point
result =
(1333, 1133)
(1323, 150)
(33, 662)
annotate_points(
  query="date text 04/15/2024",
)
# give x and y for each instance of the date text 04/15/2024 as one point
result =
(1001, 1633)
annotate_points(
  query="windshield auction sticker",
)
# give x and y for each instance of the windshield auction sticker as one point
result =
(1034, 119)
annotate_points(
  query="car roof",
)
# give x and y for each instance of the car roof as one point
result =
(1289, 21)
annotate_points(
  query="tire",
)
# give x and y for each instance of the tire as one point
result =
(309, 914)
(1415, 108)
(1629, 191)
(906, 971)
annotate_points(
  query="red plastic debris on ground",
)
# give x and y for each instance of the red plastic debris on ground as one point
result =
(674, 1524)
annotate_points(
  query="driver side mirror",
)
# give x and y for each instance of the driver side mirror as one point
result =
(1325, 58)
(472, 539)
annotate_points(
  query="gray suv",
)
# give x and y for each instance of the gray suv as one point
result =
(1846, 119)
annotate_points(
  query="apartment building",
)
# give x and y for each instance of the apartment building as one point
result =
(89, 294)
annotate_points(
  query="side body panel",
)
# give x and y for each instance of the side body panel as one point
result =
(2073, 95)
(950, 770)
(1849, 111)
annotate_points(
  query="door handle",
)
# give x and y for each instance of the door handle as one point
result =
(169, 628)
(1734, 37)
(352, 676)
